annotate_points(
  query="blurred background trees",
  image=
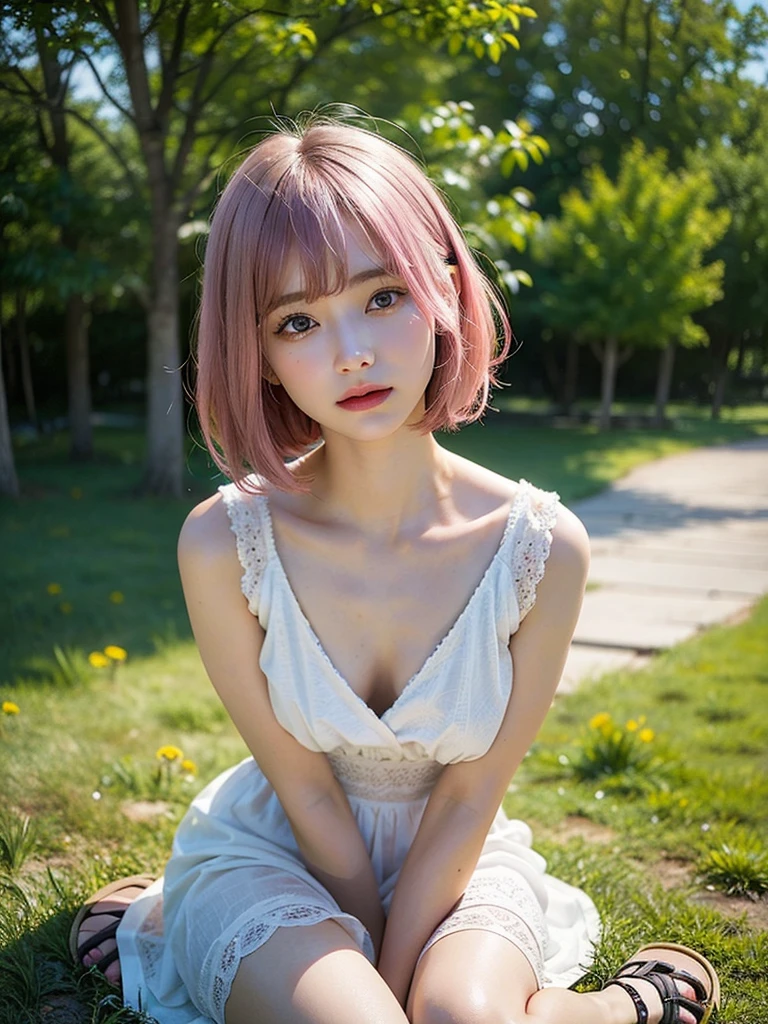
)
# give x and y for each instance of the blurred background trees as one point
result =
(627, 137)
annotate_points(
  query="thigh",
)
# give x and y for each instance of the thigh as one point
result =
(313, 974)
(471, 977)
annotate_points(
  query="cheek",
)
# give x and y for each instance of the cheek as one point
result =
(415, 341)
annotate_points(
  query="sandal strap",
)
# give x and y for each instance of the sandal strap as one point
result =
(641, 968)
(640, 1008)
(662, 976)
(110, 932)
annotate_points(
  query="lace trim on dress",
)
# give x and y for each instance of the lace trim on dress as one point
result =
(531, 549)
(253, 934)
(245, 522)
(390, 781)
(500, 921)
(503, 903)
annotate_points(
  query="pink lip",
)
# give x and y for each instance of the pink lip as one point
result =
(367, 401)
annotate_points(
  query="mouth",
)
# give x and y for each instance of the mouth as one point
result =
(362, 392)
(366, 398)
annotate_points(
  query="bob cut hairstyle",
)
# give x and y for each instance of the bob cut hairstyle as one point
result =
(288, 200)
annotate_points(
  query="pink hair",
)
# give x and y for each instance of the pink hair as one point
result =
(290, 198)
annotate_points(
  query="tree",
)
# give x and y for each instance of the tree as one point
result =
(186, 77)
(740, 175)
(625, 260)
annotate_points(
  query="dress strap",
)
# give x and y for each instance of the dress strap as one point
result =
(246, 520)
(532, 541)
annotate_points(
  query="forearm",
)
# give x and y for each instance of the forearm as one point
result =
(334, 852)
(433, 877)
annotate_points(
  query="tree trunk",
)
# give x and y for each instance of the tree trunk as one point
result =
(80, 432)
(720, 379)
(570, 386)
(24, 357)
(664, 382)
(610, 360)
(165, 419)
(9, 482)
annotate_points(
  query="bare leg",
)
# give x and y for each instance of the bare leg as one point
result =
(313, 974)
(613, 1004)
(476, 977)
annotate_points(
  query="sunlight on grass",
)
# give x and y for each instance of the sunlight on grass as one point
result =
(631, 775)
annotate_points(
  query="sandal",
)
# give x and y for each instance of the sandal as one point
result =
(662, 976)
(108, 932)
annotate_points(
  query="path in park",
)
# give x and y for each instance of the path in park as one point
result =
(677, 545)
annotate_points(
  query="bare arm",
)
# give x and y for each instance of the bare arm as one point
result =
(466, 797)
(229, 639)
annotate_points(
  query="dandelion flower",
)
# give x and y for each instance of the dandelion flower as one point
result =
(632, 725)
(116, 597)
(169, 753)
(9, 708)
(115, 653)
(65, 608)
(646, 735)
(600, 721)
(97, 660)
(189, 766)
(54, 588)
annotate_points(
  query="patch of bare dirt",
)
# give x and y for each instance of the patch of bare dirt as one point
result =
(680, 874)
(145, 810)
(575, 826)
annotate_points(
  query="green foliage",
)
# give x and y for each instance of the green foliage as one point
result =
(738, 866)
(464, 159)
(625, 258)
(17, 840)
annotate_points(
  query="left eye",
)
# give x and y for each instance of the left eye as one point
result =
(386, 295)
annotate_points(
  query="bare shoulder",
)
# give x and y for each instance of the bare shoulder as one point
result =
(206, 534)
(569, 551)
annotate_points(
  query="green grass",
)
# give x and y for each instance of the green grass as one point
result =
(79, 758)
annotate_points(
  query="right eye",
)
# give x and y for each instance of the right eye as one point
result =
(301, 324)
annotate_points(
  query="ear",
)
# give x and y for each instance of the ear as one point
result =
(269, 374)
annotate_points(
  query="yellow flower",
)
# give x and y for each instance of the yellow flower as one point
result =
(115, 653)
(65, 608)
(97, 659)
(9, 708)
(116, 597)
(646, 735)
(189, 766)
(54, 588)
(169, 753)
(617, 734)
(600, 721)
(642, 720)
(632, 725)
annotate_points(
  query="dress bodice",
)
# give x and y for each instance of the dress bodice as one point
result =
(452, 707)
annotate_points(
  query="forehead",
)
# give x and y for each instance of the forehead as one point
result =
(358, 256)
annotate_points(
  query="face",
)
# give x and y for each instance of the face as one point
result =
(372, 334)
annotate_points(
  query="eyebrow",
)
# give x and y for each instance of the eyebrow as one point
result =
(363, 275)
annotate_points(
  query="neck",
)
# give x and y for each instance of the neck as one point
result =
(385, 490)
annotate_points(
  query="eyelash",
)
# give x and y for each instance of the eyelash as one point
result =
(280, 329)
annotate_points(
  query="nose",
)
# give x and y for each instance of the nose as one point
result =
(354, 351)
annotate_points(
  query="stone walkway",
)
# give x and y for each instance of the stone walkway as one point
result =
(677, 546)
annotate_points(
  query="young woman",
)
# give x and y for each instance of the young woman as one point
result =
(385, 622)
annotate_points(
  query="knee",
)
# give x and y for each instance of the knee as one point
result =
(469, 1007)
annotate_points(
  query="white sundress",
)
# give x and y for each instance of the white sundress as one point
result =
(236, 875)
